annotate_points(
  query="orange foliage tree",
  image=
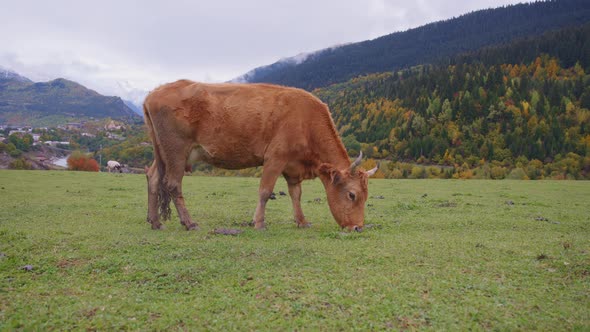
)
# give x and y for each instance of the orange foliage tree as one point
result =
(78, 161)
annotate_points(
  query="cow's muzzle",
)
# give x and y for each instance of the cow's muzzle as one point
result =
(355, 228)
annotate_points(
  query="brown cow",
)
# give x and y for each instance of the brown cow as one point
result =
(235, 126)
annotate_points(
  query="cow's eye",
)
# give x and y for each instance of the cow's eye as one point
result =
(351, 196)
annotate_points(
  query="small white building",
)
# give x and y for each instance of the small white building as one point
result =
(19, 131)
(55, 143)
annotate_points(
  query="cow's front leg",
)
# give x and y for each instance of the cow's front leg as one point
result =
(269, 178)
(185, 218)
(295, 193)
(174, 185)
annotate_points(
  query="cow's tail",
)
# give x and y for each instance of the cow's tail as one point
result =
(164, 195)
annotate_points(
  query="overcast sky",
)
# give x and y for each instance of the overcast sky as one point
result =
(116, 46)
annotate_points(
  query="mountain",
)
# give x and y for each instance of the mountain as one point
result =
(132, 95)
(9, 75)
(23, 101)
(282, 64)
(135, 108)
(263, 71)
(522, 106)
(426, 44)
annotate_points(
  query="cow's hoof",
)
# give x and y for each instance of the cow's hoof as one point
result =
(304, 225)
(260, 226)
(192, 227)
(157, 226)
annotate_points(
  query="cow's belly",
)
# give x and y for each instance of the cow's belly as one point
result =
(228, 158)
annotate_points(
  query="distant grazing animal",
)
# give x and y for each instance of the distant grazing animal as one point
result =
(114, 165)
(288, 131)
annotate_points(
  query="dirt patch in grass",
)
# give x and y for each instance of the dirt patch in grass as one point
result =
(412, 323)
(248, 223)
(70, 262)
(227, 231)
(89, 313)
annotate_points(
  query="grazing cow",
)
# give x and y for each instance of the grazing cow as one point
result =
(288, 131)
(114, 165)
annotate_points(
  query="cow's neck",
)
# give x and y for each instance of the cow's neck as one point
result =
(334, 153)
(329, 146)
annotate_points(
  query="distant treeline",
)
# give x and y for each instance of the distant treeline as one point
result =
(570, 45)
(469, 113)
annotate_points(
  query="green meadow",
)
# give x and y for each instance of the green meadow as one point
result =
(77, 254)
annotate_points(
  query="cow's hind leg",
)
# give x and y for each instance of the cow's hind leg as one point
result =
(295, 193)
(270, 174)
(153, 216)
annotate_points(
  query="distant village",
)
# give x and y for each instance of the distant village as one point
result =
(48, 147)
(36, 132)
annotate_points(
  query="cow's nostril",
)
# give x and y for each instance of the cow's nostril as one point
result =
(358, 228)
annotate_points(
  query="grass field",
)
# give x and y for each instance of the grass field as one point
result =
(76, 253)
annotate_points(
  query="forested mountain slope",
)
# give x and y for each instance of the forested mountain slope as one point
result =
(475, 110)
(426, 44)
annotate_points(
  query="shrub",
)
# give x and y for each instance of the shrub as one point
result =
(466, 174)
(397, 174)
(417, 172)
(10, 147)
(534, 169)
(482, 172)
(20, 163)
(517, 174)
(498, 172)
(21, 142)
(15, 153)
(433, 172)
(78, 161)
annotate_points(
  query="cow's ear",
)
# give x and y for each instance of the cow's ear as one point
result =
(330, 171)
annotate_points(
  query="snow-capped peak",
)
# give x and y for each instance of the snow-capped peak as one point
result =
(288, 61)
(7, 74)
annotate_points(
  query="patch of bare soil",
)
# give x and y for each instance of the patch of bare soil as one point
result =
(227, 231)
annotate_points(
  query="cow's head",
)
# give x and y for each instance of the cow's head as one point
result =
(347, 193)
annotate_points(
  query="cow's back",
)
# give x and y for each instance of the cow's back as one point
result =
(235, 124)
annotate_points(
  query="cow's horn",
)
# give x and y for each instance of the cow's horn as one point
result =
(372, 172)
(357, 161)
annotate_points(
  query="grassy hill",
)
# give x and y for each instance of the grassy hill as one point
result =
(446, 255)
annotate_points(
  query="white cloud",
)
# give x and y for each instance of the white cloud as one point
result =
(126, 47)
